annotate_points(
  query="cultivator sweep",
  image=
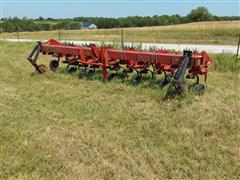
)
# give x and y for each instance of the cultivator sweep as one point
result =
(91, 57)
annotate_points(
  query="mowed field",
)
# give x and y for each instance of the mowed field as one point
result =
(56, 126)
(216, 32)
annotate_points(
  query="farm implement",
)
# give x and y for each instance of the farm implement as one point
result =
(174, 67)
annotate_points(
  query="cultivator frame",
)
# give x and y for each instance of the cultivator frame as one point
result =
(173, 66)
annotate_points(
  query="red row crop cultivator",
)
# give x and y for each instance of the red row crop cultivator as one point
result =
(173, 66)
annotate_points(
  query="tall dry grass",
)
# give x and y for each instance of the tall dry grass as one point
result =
(221, 32)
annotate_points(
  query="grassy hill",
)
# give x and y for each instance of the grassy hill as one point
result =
(57, 126)
(218, 32)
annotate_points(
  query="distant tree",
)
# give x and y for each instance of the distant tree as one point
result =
(13, 24)
(75, 25)
(50, 19)
(200, 14)
(45, 26)
(40, 18)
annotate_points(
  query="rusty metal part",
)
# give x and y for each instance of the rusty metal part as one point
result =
(41, 68)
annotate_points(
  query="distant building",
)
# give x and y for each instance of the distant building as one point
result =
(87, 25)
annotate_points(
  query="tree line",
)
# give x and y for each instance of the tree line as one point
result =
(40, 24)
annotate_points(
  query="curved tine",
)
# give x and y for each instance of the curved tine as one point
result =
(154, 68)
(205, 78)
(117, 68)
(126, 74)
(165, 75)
(79, 65)
(152, 73)
(67, 66)
(85, 69)
(165, 81)
(90, 72)
(138, 77)
(124, 69)
(197, 80)
(137, 72)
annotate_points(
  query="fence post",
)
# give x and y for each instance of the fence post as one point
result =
(59, 35)
(18, 35)
(238, 45)
(122, 44)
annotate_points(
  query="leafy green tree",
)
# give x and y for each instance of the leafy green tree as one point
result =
(13, 24)
(75, 25)
(40, 18)
(45, 26)
(200, 14)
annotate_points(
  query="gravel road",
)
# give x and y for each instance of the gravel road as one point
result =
(177, 47)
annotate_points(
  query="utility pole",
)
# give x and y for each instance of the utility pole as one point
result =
(238, 45)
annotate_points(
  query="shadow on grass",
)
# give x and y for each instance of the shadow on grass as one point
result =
(145, 82)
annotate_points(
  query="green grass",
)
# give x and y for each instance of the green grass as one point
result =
(219, 32)
(226, 63)
(56, 126)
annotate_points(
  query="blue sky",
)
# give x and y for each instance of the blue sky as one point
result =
(113, 8)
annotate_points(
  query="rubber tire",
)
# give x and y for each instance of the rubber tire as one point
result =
(53, 64)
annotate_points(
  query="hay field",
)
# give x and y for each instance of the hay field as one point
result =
(216, 32)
